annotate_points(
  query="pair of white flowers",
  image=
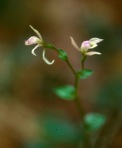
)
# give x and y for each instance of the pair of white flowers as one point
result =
(84, 48)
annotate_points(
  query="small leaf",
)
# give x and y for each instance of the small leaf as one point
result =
(65, 92)
(62, 55)
(83, 74)
(94, 121)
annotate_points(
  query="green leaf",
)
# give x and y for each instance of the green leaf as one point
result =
(62, 55)
(94, 121)
(83, 74)
(59, 130)
(65, 92)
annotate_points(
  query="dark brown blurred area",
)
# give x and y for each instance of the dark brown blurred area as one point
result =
(26, 82)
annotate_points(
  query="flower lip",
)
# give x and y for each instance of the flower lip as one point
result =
(32, 40)
(85, 46)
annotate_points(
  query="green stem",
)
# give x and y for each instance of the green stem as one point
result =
(83, 61)
(70, 66)
(86, 141)
(47, 45)
(77, 101)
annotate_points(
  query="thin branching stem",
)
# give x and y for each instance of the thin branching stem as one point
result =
(70, 66)
(86, 141)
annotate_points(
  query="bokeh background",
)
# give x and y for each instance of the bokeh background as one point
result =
(31, 115)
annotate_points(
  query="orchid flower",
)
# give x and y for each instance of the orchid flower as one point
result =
(38, 41)
(86, 45)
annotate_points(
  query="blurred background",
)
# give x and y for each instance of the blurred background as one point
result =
(31, 115)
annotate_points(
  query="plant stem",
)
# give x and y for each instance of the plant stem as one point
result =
(83, 61)
(70, 66)
(77, 101)
(86, 141)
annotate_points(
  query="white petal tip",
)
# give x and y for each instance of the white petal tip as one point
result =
(33, 50)
(74, 43)
(33, 53)
(37, 32)
(50, 63)
(46, 60)
(26, 43)
(31, 26)
(96, 40)
(92, 53)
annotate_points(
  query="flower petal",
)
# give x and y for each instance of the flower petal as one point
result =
(46, 60)
(93, 45)
(33, 50)
(92, 53)
(95, 40)
(74, 43)
(85, 46)
(32, 40)
(37, 32)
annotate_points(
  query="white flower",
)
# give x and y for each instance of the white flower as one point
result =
(38, 40)
(86, 45)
